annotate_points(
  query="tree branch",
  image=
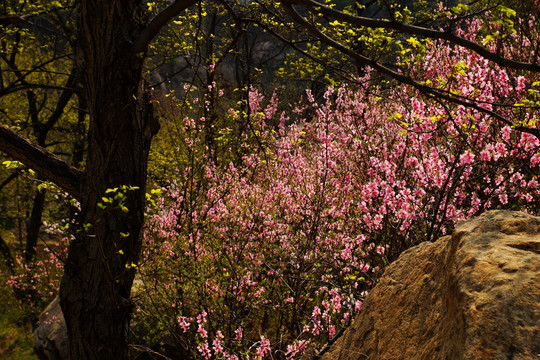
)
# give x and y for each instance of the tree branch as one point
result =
(429, 91)
(6, 252)
(9, 179)
(12, 20)
(65, 96)
(416, 30)
(13, 89)
(41, 161)
(158, 22)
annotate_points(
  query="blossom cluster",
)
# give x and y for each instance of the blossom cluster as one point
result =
(274, 253)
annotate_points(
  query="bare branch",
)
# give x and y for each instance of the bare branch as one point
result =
(19, 19)
(10, 178)
(63, 100)
(158, 22)
(13, 89)
(416, 30)
(41, 161)
(12, 20)
(6, 252)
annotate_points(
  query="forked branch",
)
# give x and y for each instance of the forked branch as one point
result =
(158, 22)
(12, 20)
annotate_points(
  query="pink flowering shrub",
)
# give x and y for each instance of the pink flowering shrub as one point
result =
(268, 255)
(34, 285)
(267, 242)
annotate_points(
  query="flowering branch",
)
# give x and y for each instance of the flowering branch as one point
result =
(430, 91)
(416, 30)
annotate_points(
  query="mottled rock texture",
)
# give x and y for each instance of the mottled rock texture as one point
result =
(472, 295)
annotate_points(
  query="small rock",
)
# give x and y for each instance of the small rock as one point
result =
(50, 338)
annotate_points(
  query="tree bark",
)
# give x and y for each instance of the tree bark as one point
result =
(99, 272)
(6, 253)
(34, 225)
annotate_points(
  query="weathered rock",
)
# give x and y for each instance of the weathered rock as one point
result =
(472, 295)
(50, 338)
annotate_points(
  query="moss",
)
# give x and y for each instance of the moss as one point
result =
(15, 340)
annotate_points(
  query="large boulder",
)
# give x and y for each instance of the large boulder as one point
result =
(472, 295)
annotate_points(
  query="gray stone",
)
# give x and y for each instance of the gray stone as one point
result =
(50, 338)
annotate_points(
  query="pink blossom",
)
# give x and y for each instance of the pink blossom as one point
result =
(505, 132)
(319, 200)
(238, 334)
(331, 331)
(183, 322)
(204, 350)
(500, 149)
(202, 332)
(535, 159)
(466, 158)
(264, 347)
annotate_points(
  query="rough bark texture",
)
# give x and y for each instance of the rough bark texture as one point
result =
(98, 275)
(473, 295)
(34, 225)
(6, 253)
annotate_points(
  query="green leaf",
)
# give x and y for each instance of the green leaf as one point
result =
(12, 164)
(413, 41)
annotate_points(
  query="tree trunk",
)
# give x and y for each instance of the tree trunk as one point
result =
(6, 253)
(99, 272)
(34, 225)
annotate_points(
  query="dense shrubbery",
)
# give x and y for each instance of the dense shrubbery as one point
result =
(277, 252)
(34, 285)
(272, 247)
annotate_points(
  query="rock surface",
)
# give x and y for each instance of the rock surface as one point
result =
(472, 295)
(50, 338)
